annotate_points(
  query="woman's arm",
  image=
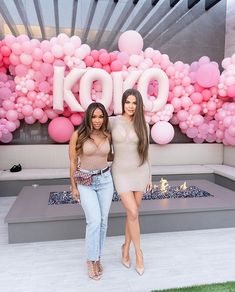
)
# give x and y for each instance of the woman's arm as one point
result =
(73, 157)
(110, 127)
(150, 184)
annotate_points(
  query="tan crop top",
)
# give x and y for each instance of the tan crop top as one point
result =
(94, 156)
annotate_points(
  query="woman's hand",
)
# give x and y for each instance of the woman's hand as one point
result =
(149, 187)
(75, 194)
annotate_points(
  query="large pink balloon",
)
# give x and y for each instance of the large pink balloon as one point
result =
(162, 132)
(60, 129)
(130, 42)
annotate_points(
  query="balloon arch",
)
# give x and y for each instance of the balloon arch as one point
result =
(56, 80)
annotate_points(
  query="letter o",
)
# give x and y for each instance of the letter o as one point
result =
(163, 88)
(86, 85)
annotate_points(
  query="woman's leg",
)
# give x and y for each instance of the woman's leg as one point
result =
(104, 189)
(131, 202)
(126, 247)
(90, 205)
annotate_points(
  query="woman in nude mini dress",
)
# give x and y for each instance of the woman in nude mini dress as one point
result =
(131, 168)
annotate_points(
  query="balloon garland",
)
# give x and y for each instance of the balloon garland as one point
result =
(56, 80)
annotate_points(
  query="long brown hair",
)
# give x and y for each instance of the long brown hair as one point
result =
(85, 129)
(139, 123)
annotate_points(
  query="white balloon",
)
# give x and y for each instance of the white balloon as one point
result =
(163, 88)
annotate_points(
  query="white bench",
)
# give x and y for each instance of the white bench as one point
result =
(47, 163)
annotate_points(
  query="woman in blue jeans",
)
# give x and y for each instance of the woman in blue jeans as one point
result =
(91, 181)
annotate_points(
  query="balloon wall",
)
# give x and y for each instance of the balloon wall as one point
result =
(197, 97)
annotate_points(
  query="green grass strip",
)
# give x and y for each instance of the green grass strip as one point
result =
(222, 287)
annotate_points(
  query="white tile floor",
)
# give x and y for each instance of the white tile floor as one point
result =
(172, 259)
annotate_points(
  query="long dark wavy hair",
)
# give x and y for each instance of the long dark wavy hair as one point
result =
(139, 123)
(85, 129)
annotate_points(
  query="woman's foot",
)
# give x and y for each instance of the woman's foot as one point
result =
(139, 263)
(99, 267)
(93, 270)
(125, 257)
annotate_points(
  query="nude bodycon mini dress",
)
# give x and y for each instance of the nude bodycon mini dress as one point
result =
(128, 174)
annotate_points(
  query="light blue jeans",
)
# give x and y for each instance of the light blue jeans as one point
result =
(96, 201)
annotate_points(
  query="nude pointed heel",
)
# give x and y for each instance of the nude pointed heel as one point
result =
(140, 270)
(125, 263)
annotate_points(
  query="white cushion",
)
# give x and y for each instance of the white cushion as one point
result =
(229, 155)
(29, 174)
(180, 169)
(224, 170)
(186, 153)
(34, 156)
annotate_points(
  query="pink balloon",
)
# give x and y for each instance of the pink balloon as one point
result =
(36, 65)
(60, 129)
(27, 47)
(203, 128)
(48, 57)
(177, 91)
(195, 109)
(95, 55)
(11, 126)
(116, 66)
(44, 119)
(51, 114)
(16, 48)
(182, 115)
(89, 60)
(46, 69)
(30, 120)
(107, 68)
(5, 51)
(196, 97)
(204, 60)
(104, 58)
(38, 113)
(12, 115)
(2, 113)
(231, 130)
(211, 105)
(5, 93)
(26, 59)
(27, 110)
(57, 51)
(37, 54)
(162, 132)
(45, 46)
(30, 84)
(192, 132)
(44, 87)
(76, 119)
(69, 49)
(206, 93)
(38, 76)
(97, 65)
(207, 75)
(21, 70)
(6, 138)
(130, 42)
(198, 120)
(231, 91)
(123, 57)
